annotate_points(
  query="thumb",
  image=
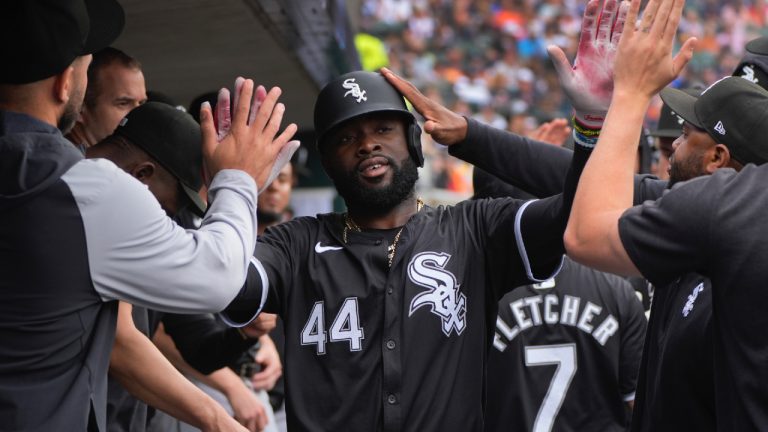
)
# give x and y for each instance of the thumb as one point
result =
(684, 56)
(561, 63)
(283, 158)
(430, 126)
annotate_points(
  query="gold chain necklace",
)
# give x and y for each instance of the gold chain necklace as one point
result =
(349, 224)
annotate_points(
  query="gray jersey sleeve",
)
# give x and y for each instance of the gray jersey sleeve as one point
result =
(137, 254)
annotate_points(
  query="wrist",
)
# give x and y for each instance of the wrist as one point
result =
(585, 135)
(590, 120)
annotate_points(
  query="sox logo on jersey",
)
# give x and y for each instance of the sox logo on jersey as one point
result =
(443, 297)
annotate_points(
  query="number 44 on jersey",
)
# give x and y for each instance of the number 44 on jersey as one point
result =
(345, 327)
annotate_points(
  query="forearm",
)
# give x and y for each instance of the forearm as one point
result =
(137, 254)
(204, 343)
(543, 222)
(532, 166)
(606, 187)
(137, 364)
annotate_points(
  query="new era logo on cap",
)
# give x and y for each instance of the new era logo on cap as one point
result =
(720, 128)
(354, 90)
(737, 102)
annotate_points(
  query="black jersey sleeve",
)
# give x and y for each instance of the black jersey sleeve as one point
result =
(272, 268)
(668, 237)
(205, 343)
(534, 167)
(540, 226)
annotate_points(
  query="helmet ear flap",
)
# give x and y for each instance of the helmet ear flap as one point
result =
(414, 143)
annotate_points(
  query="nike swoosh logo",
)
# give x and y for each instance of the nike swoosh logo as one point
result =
(320, 248)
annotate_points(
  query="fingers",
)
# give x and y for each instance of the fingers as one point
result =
(239, 81)
(589, 24)
(621, 19)
(261, 94)
(659, 24)
(670, 30)
(268, 110)
(420, 102)
(605, 23)
(208, 130)
(223, 115)
(649, 15)
(283, 157)
(632, 12)
(243, 104)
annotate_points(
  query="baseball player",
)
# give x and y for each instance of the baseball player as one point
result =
(674, 379)
(566, 351)
(710, 225)
(389, 307)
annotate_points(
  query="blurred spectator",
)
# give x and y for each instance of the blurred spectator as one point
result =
(491, 54)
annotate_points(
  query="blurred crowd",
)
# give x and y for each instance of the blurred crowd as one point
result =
(487, 58)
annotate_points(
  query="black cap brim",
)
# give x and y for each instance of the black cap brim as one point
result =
(758, 46)
(107, 20)
(665, 133)
(681, 104)
(198, 205)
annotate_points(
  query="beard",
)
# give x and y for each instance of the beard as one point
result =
(375, 201)
(71, 112)
(267, 217)
(683, 170)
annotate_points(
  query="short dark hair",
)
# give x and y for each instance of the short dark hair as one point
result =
(102, 59)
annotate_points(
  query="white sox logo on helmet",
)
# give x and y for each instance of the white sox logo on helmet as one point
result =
(749, 73)
(443, 297)
(354, 90)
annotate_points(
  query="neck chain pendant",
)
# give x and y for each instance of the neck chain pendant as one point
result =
(350, 225)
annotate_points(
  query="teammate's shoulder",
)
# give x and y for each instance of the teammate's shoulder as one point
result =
(90, 179)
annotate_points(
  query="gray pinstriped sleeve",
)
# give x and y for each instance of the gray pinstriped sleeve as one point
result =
(137, 254)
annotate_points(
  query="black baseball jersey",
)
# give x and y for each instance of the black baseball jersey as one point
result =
(676, 389)
(373, 348)
(565, 354)
(677, 371)
(716, 226)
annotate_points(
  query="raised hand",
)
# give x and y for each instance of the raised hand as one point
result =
(589, 83)
(644, 64)
(553, 132)
(247, 140)
(445, 126)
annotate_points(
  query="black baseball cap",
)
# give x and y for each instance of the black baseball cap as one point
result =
(173, 139)
(42, 37)
(754, 63)
(670, 124)
(733, 111)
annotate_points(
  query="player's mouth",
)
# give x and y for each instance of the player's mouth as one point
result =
(373, 167)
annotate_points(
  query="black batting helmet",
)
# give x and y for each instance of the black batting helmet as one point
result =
(357, 93)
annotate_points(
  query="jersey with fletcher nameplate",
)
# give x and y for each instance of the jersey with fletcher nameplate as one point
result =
(565, 354)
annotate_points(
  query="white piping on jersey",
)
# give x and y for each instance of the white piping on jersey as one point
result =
(264, 291)
(629, 397)
(521, 247)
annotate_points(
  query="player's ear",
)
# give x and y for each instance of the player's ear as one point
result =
(719, 157)
(143, 171)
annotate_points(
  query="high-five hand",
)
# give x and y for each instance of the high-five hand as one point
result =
(644, 63)
(445, 126)
(247, 140)
(589, 83)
